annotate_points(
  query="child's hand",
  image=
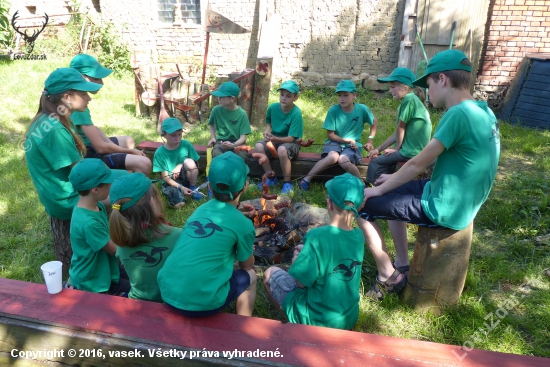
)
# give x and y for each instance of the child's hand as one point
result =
(297, 250)
(211, 142)
(389, 151)
(186, 191)
(383, 178)
(352, 144)
(227, 145)
(368, 146)
(137, 152)
(176, 174)
(373, 153)
(267, 136)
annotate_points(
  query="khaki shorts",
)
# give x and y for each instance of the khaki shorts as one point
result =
(292, 149)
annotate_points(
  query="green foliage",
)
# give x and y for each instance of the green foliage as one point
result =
(58, 42)
(114, 54)
(6, 30)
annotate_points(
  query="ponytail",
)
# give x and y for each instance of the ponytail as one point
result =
(420, 94)
(140, 223)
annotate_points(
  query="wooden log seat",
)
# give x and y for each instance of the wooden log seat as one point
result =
(105, 330)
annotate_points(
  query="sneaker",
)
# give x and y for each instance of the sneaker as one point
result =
(304, 185)
(287, 188)
(270, 182)
(196, 195)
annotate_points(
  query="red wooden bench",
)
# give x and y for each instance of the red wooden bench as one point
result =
(93, 324)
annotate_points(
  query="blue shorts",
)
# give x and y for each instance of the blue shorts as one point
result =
(173, 195)
(403, 204)
(238, 283)
(354, 155)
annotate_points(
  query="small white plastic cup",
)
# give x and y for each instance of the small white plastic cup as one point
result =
(52, 276)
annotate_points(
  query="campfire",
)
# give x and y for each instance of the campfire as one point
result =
(280, 225)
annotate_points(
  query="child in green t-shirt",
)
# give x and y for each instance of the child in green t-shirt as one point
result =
(94, 267)
(322, 285)
(344, 124)
(198, 278)
(176, 161)
(228, 122)
(144, 239)
(413, 126)
(284, 127)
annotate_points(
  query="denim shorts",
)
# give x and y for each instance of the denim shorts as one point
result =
(281, 283)
(238, 283)
(354, 155)
(173, 195)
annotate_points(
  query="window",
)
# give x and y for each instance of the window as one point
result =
(190, 11)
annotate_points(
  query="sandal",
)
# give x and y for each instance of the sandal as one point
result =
(402, 269)
(379, 288)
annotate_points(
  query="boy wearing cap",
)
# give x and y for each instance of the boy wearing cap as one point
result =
(284, 127)
(228, 122)
(176, 160)
(466, 144)
(413, 127)
(322, 285)
(94, 267)
(117, 151)
(344, 124)
(198, 279)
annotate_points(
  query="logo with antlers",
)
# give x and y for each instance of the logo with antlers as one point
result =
(29, 39)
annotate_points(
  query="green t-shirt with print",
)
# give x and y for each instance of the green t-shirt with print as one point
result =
(329, 267)
(418, 127)
(166, 159)
(348, 125)
(142, 264)
(79, 119)
(465, 170)
(285, 124)
(49, 152)
(92, 268)
(196, 275)
(230, 125)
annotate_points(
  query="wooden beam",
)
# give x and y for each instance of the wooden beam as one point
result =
(407, 34)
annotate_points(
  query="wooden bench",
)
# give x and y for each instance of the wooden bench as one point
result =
(301, 165)
(93, 324)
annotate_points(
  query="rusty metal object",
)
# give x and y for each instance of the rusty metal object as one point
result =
(269, 145)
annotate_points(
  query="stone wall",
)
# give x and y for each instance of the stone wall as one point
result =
(516, 27)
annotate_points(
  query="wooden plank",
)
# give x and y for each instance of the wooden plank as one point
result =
(31, 319)
(434, 13)
(446, 18)
(407, 34)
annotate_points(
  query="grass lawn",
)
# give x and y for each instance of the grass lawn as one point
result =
(510, 255)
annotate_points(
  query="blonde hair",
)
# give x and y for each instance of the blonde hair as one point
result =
(49, 105)
(140, 223)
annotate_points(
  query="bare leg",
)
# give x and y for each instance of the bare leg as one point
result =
(399, 234)
(245, 302)
(191, 170)
(377, 247)
(285, 163)
(260, 149)
(329, 160)
(126, 142)
(346, 164)
(138, 163)
(267, 275)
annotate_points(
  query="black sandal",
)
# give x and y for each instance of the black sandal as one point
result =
(402, 269)
(379, 288)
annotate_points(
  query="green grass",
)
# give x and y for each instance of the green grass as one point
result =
(506, 263)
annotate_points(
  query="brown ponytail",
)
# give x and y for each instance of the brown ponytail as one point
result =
(420, 94)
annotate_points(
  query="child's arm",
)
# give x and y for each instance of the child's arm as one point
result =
(267, 133)
(102, 144)
(247, 264)
(389, 141)
(399, 136)
(368, 146)
(212, 140)
(331, 135)
(110, 248)
(297, 250)
(279, 140)
(166, 178)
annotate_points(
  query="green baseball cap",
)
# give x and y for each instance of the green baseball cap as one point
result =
(401, 75)
(346, 86)
(291, 86)
(132, 186)
(227, 89)
(64, 79)
(344, 188)
(444, 61)
(171, 125)
(88, 65)
(228, 169)
(91, 172)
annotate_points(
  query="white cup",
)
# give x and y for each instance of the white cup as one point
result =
(52, 276)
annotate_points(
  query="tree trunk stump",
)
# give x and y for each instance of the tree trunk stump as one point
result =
(438, 269)
(262, 86)
(62, 242)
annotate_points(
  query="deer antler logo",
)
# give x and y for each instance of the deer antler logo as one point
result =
(29, 40)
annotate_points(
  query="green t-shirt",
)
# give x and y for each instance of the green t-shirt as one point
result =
(166, 159)
(50, 152)
(285, 124)
(82, 118)
(465, 170)
(348, 125)
(329, 267)
(230, 125)
(92, 269)
(196, 275)
(142, 263)
(418, 127)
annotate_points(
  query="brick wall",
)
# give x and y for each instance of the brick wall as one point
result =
(516, 27)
